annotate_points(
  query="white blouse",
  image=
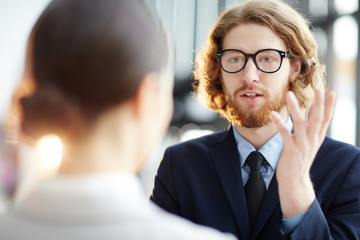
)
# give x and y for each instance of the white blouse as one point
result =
(98, 206)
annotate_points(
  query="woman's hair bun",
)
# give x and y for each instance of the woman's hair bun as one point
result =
(49, 111)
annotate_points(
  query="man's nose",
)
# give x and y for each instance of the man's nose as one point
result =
(250, 72)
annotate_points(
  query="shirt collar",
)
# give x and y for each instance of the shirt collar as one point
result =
(271, 150)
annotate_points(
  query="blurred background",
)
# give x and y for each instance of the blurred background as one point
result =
(335, 24)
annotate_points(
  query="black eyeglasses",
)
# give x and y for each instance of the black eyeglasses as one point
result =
(266, 60)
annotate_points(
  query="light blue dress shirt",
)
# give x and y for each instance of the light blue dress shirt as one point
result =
(271, 150)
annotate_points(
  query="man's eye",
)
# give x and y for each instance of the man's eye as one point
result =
(267, 59)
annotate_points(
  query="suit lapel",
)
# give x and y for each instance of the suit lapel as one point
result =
(227, 164)
(271, 201)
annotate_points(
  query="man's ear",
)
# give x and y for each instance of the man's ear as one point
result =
(145, 98)
(295, 69)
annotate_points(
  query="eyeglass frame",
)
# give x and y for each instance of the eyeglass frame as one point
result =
(283, 54)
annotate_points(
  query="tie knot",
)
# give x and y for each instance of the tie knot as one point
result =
(255, 160)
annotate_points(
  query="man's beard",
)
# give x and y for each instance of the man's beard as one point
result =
(261, 117)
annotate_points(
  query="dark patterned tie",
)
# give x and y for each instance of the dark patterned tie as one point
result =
(255, 187)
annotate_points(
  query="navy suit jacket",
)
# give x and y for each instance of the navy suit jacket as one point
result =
(201, 180)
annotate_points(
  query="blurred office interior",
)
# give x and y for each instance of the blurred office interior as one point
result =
(334, 22)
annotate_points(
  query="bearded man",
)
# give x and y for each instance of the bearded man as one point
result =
(273, 174)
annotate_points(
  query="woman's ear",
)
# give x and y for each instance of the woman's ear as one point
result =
(295, 69)
(146, 96)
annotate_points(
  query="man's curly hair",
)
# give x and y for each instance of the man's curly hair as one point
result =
(288, 24)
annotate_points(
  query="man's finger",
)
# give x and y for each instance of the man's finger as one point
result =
(284, 132)
(297, 117)
(316, 116)
(329, 112)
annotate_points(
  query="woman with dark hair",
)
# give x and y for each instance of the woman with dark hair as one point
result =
(101, 83)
